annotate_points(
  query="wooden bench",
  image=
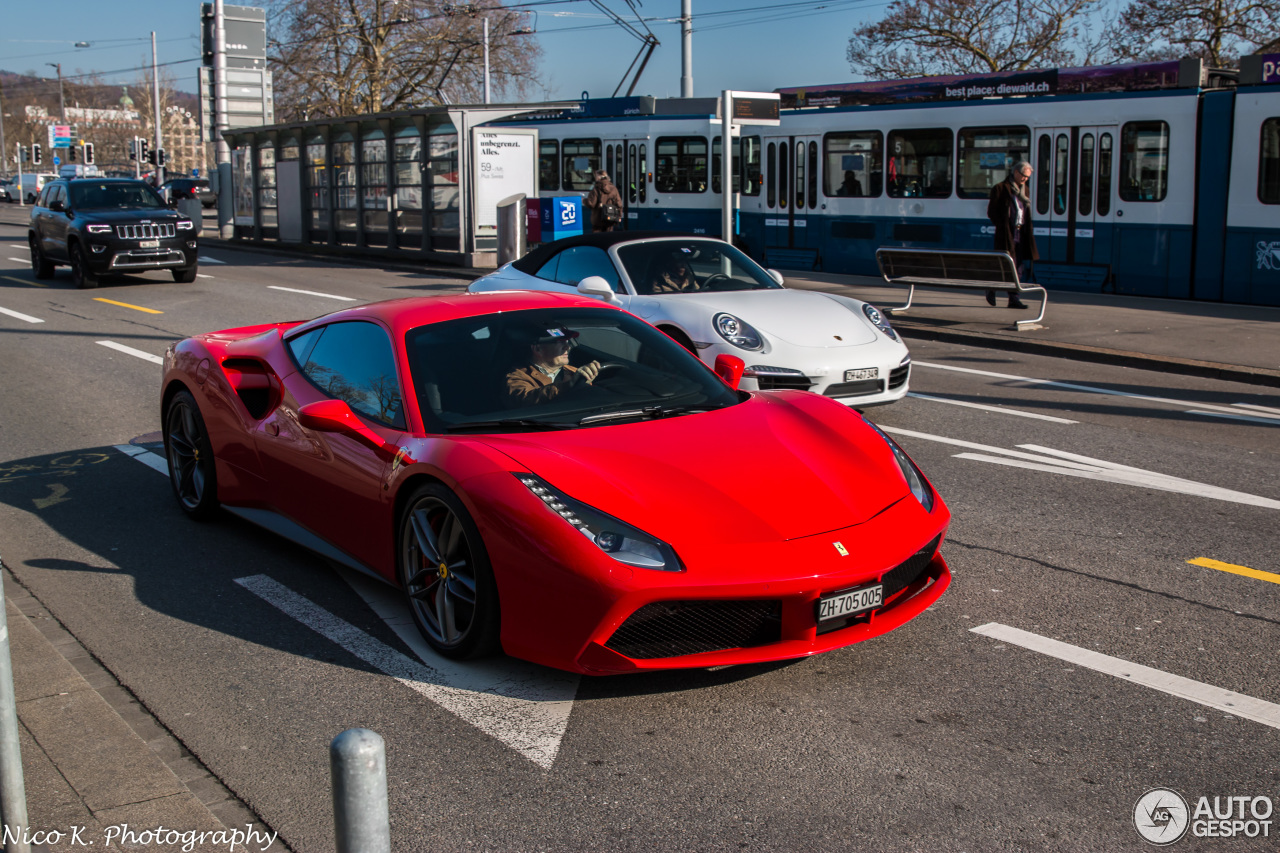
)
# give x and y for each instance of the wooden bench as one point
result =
(961, 270)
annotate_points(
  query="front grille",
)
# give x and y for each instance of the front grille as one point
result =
(894, 581)
(855, 389)
(898, 376)
(784, 383)
(151, 231)
(672, 628)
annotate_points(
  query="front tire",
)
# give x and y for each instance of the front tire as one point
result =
(185, 275)
(444, 569)
(192, 468)
(40, 265)
(81, 275)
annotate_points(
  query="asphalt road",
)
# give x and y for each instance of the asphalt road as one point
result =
(934, 737)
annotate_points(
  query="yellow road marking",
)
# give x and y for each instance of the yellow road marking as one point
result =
(25, 281)
(127, 305)
(1270, 577)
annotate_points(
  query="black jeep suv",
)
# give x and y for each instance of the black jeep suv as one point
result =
(102, 226)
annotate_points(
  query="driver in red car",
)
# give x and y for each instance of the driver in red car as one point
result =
(549, 376)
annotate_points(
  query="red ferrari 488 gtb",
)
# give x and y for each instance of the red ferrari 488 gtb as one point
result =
(551, 476)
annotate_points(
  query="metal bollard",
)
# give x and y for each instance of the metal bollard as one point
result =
(13, 792)
(361, 819)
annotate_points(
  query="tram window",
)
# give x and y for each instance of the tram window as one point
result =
(813, 175)
(631, 173)
(986, 156)
(1084, 203)
(644, 172)
(799, 176)
(771, 196)
(1045, 170)
(581, 158)
(548, 165)
(751, 177)
(1144, 161)
(1104, 174)
(919, 163)
(782, 175)
(1060, 174)
(1269, 162)
(854, 162)
(717, 165)
(681, 164)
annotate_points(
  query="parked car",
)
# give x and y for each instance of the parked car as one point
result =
(29, 185)
(180, 188)
(108, 225)
(722, 302)
(637, 512)
(6, 191)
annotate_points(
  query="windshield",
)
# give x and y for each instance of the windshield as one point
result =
(97, 195)
(554, 368)
(691, 266)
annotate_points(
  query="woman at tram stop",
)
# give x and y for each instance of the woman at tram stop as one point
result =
(605, 203)
(1009, 210)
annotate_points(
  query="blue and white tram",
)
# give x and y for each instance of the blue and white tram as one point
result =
(1251, 249)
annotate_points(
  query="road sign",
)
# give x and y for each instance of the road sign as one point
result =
(250, 102)
(195, 173)
(57, 161)
(60, 135)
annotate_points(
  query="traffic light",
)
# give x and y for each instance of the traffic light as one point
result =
(143, 152)
(160, 159)
(88, 153)
(71, 154)
(35, 154)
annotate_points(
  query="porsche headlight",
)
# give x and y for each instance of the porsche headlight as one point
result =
(619, 540)
(737, 332)
(915, 480)
(879, 320)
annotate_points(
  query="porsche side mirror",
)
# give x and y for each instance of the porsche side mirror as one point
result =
(336, 416)
(729, 368)
(776, 276)
(597, 288)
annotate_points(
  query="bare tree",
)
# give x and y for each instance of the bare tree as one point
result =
(344, 57)
(1218, 31)
(923, 37)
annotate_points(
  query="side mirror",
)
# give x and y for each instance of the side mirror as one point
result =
(57, 206)
(729, 368)
(597, 288)
(776, 276)
(336, 416)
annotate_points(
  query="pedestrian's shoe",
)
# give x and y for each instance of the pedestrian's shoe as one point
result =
(1015, 302)
(991, 298)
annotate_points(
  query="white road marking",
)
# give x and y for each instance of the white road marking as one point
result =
(999, 409)
(153, 461)
(21, 260)
(1256, 408)
(136, 353)
(1253, 419)
(520, 704)
(1183, 404)
(202, 275)
(1227, 701)
(19, 248)
(1073, 465)
(27, 317)
(312, 293)
(205, 259)
(486, 696)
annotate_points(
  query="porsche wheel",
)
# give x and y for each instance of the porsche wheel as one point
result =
(445, 571)
(81, 275)
(191, 464)
(40, 265)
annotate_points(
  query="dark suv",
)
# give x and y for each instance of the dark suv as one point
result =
(102, 226)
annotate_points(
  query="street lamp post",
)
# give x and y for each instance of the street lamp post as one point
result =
(62, 100)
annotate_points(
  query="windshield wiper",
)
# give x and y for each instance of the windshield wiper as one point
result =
(509, 423)
(648, 412)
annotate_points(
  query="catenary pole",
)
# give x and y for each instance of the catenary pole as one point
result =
(486, 60)
(225, 228)
(686, 48)
(155, 108)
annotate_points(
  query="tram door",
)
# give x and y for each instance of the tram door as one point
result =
(1073, 193)
(792, 188)
(617, 165)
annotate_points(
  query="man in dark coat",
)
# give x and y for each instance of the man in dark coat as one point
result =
(603, 200)
(1009, 210)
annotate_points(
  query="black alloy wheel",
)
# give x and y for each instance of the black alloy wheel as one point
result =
(40, 265)
(445, 571)
(192, 471)
(81, 275)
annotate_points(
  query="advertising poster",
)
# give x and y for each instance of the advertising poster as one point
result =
(506, 163)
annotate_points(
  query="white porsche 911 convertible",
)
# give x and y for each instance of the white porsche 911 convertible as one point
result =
(713, 299)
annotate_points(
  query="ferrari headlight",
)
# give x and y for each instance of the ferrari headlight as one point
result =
(879, 320)
(737, 332)
(915, 480)
(619, 540)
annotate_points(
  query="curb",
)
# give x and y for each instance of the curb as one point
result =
(347, 259)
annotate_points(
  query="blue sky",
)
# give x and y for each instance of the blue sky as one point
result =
(744, 45)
